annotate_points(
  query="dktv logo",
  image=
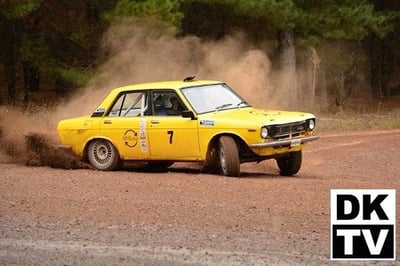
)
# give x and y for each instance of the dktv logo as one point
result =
(363, 224)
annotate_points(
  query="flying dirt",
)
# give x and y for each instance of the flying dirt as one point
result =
(40, 152)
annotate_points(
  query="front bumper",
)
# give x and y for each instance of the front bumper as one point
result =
(284, 143)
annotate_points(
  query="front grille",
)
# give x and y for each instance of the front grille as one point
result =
(287, 130)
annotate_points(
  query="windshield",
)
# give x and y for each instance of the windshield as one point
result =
(213, 98)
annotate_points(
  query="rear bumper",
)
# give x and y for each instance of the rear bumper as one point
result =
(280, 143)
(64, 147)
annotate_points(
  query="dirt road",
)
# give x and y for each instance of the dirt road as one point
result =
(180, 217)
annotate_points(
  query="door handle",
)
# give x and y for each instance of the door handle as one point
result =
(108, 122)
(155, 121)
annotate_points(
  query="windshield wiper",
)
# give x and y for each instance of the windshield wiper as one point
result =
(239, 104)
(222, 106)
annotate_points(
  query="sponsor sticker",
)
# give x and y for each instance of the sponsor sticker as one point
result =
(207, 122)
(295, 143)
(142, 130)
(130, 138)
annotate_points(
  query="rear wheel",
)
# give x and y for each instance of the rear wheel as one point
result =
(289, 164)
(228, 157)
(103, 155)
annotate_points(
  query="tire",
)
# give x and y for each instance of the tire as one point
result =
(211, 163)
(290, 164)
(228, 157)
(103, 155)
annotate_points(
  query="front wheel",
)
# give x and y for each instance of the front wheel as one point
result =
(228, 157)
(103, 155)
(289, 164)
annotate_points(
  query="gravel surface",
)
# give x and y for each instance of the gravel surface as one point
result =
(184, 217)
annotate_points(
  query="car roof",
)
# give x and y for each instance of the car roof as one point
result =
(166, 85)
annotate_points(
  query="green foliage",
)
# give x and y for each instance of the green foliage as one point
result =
(62, 38)
(278, 15)
(70, 78)
(166, 10)
(34, 51)
(12, 9)
(315, 20)
(351, 20)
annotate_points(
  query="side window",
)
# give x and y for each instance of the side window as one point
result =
(167, 103)
(130, 104)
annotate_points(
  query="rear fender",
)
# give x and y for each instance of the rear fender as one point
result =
(87, 143)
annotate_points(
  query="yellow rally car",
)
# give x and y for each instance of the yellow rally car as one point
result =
(187, 121)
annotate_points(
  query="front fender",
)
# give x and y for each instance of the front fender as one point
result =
(209, 140)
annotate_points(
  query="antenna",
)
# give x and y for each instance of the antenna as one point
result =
(190, 78)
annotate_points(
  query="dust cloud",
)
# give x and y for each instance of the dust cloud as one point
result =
(136, 55)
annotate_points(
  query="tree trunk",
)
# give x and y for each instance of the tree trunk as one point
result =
(316, 65)
(376, 67)
(11, 79)
(323, 98)
(8, 57)
(289, 93)
(31, 79)
(381, 67)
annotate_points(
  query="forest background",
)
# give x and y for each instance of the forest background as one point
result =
(317, 55)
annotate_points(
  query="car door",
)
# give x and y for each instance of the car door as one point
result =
(171, 136)
(125, 125)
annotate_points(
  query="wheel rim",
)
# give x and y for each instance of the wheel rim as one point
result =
(102, 152)
(222, 159)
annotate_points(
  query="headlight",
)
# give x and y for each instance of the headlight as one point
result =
(311, 124)
(264, 132)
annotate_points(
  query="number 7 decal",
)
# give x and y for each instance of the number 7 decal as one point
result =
(171, 134)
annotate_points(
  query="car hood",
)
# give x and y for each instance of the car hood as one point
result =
(260, 116)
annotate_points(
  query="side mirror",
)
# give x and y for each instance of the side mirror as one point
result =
(99, 112)
(189, 114)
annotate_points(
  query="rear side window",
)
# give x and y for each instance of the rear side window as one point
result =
(130, 104)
